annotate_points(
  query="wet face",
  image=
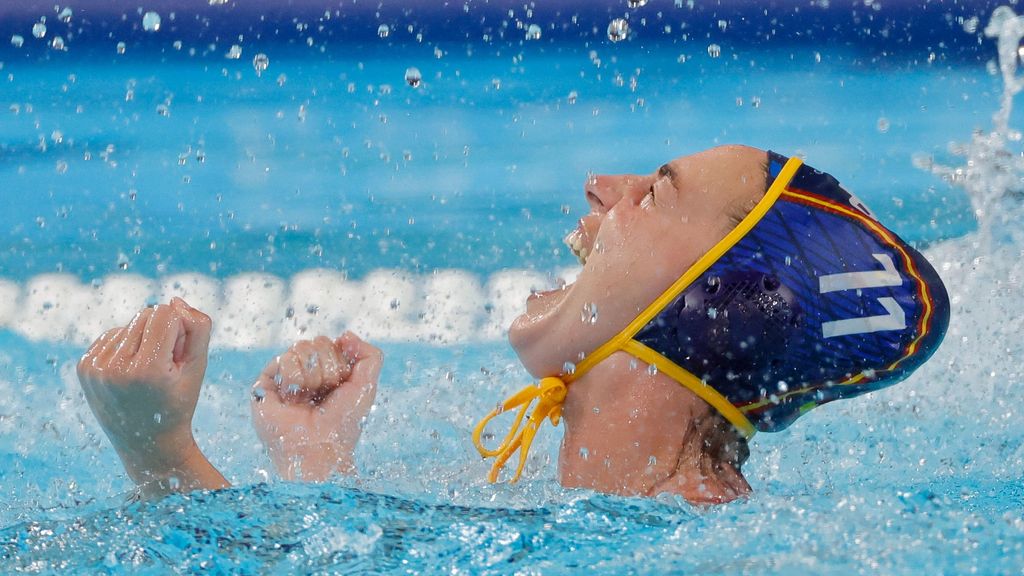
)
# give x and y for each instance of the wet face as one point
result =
(642, 233)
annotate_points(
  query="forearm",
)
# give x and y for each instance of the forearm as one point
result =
(191, 471)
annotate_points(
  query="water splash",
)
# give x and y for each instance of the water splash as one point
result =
(993, 175)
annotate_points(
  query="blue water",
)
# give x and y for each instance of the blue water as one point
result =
(481, 166)
(258, 196)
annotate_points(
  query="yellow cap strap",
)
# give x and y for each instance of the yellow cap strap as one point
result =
(692, 383)
(550, 394)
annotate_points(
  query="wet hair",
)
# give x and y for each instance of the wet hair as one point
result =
(723, 442)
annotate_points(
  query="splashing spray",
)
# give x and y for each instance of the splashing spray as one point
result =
(993, 175)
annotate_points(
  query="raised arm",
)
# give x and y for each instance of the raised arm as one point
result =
(142, 383)
(309, 403)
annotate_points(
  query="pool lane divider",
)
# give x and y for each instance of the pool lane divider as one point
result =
(256, 310)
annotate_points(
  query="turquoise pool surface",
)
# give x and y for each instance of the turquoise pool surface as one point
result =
(327, 193)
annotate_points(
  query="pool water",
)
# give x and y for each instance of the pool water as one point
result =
(328, 193)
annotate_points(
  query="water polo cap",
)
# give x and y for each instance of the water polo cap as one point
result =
(808, 300)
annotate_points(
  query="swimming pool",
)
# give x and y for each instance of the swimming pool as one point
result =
(327, 192)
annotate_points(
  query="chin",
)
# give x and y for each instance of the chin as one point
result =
(520, 339)
(531, 334)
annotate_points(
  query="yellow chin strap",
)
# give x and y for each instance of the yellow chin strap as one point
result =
(551, 391)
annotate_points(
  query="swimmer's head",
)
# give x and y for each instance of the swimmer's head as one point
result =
(762, 285)
(642, 233)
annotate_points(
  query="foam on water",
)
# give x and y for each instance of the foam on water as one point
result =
(257, 310)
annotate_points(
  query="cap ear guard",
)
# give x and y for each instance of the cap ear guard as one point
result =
(741, 319)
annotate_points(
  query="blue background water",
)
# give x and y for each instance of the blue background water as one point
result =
(476, 172)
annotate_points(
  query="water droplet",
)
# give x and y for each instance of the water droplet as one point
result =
(293, 389)
(122, 261)
(584, 453)
(260, 62)
(158, 417)
(234, 53)
(176, 45)
(163, 110)
(17, 41)
(218, 2)
(281, 79)
(723, 25)
(652, 460)
(714, 50)
(971, 25)
(383, 31)
(568, 368)
(571, 98)
(65, 15)
(782, 386)
(258, 394)
(589, 313)
(755, 101)
(62, 167)
(618, 29)
(174, 483)
(395, 304)
(57, 43)
(533, 32)
(312, 362)
(120, 47)
(636, 3)
(39, 29)
(883, 125)
(57, 136)
(595, 410)
(413, 77)
(150, 21)
(652, 369)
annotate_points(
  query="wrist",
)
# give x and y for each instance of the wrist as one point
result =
(161, 459)
(312, 461)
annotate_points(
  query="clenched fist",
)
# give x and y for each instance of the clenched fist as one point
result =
(309, 403)
(142, 383)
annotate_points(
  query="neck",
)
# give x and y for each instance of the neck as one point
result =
(633, 433)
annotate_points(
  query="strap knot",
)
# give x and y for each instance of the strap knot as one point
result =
(549, 394)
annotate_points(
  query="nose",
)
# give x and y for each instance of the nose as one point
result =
(604, 192)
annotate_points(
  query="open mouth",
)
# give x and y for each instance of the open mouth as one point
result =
(576, 241)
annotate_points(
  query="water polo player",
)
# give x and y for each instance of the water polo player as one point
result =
(727, 293)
